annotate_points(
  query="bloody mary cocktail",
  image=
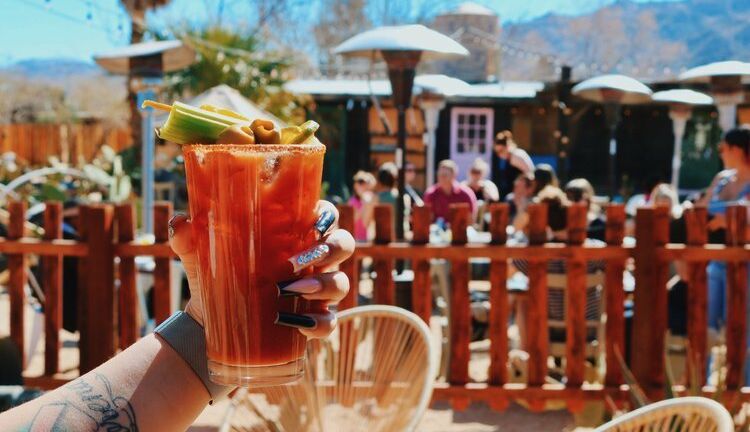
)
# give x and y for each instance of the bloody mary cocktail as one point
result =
(252, 208)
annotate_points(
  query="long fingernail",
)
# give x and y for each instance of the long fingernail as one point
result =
(324, 222)
(170, 225)
(297, 287)
(310, 257)
(295, 320)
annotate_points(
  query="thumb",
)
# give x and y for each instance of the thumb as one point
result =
(181, 242)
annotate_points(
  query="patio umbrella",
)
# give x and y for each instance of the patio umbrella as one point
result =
(613, 91)
(402, 47)
(725, 79)
(680, 103)
(147, 62)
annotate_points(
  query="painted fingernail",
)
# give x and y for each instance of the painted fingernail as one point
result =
(310, 257)
(297, 287)
(324, 222)
(170, 225)
(295, 320)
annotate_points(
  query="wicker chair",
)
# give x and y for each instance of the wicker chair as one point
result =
(374, 373)
(688, 414)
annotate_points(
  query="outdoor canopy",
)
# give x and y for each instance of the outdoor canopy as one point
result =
(414, 37)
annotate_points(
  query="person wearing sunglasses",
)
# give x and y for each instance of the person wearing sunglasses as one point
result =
(483, 188)
(509, 163)
(363, 202)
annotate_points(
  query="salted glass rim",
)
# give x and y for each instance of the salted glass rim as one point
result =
(258, 148)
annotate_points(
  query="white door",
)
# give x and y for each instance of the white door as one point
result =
(471, 137)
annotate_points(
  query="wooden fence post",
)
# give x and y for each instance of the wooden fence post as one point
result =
(421, 290)
(537, 343)
(17, 277)
(163, 266)
(385, 290)
(615, 297)
(736, 299)
(127, 295)
(97, 337)
(498, 320)
(460, 313)
(52, 283)
(650, 301)
(82, 320)
(350, 267)
(697, 306)
(575, 316)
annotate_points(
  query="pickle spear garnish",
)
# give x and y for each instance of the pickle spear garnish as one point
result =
(299, 134)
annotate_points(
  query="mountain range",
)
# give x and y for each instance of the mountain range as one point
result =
(646, 37)
(637, 38)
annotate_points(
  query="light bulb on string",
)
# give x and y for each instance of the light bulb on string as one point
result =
(47, 4)
(89, 13)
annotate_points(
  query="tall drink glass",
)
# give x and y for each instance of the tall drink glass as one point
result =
(252, 208)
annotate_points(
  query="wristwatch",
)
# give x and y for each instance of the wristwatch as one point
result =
(188, 339)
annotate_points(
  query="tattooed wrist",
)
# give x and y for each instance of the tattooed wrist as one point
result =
(92, 404)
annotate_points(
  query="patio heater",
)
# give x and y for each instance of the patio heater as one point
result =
(145, 64)
(402, 48)
(613, 91)
(681, 102)
(725, 82)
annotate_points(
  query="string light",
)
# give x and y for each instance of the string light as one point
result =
(64, 15)
(89, 13)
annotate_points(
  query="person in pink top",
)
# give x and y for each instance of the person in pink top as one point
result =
(363, 201)
(448, 191)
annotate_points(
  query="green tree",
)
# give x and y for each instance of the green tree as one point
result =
(239, 61)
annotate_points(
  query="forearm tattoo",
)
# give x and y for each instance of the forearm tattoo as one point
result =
(90, 406)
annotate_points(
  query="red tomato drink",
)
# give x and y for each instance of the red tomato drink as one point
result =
(252, 208)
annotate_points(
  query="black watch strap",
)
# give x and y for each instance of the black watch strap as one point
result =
(188, 339)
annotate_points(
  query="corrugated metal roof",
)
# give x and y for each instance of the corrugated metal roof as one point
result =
(447, 86)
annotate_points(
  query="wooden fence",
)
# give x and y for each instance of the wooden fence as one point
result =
(36, 142)
(107, 316)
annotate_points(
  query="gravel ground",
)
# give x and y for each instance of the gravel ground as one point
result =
(440, 418)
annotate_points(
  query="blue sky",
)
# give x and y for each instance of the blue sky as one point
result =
(79, 28)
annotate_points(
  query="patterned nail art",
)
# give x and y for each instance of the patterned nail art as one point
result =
(310, 257)
(324, 222)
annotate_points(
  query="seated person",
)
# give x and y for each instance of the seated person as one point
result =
(558, 204)
(580, 190)
(483, 188)
(448, 191)
(518, 200)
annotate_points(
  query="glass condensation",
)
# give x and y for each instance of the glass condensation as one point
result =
(252, 207)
